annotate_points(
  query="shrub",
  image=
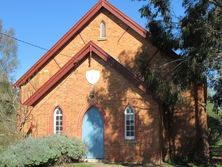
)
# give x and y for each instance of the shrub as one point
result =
(42, 151)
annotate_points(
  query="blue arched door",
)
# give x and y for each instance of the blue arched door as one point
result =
(93, 133)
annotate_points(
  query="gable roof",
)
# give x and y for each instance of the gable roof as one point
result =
(75, 30)
(74, 63)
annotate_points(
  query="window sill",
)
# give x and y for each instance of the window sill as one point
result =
(102, 39)
(132, 141)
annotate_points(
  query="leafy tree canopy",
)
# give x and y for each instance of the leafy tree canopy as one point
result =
(196, 37)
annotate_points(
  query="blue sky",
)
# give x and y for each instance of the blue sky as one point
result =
(44, 22)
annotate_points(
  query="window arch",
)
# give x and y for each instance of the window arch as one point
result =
(102, 29)
(129, 123)
(58, 121)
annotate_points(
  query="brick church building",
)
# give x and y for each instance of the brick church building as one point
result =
(86, 86)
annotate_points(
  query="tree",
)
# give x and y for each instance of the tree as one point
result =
(8, 98)
(197, 38)
(8, 58)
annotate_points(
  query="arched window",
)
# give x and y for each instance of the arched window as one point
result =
(57, 121)
(129, 123)
(102, 29)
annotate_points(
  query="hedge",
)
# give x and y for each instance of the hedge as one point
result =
(42, 151)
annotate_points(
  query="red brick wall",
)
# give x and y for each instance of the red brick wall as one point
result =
(112, 94)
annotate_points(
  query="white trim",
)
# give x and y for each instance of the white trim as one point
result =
(56, 115)
(126, 115)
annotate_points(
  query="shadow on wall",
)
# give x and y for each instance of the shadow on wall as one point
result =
(178, 126)
(174, 137)
(113, 101)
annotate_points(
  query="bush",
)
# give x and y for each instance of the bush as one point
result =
(42, 151)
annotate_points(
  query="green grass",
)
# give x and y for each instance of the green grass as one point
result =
(76, 165)
(89, 164)
(113, 165)
(80, 165)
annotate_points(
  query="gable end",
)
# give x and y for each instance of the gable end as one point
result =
(74, 31)
(74, 62)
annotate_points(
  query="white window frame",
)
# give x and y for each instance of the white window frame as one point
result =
(102, 30)
(56, 115)
(127, 116)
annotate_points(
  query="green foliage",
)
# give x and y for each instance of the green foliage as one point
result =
(8, 106)
(214, 125)
(8, 63)
(165, 41)
(8, 95)
(157, 8)
(7, 137)
(197, 39)
(217, 98)
(8, 57)
(42, 151)
(196, 36)
(160, 88)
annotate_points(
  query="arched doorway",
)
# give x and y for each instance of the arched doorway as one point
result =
(93, 133)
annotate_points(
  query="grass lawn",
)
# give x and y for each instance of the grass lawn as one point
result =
(92, 164)
(80, 165)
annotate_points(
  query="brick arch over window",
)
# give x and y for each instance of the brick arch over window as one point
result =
(51, 120)
(82, 114)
